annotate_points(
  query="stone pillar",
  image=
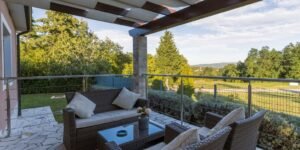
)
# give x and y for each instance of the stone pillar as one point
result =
(139, 64)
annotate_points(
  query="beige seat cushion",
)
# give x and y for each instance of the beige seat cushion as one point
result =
(158, 146)
(126, 99)
(203, 132)
(83, 107)
(233, 116)
(106, 117)
(183, 139)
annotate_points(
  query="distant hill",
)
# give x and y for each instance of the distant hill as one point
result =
(214, 65)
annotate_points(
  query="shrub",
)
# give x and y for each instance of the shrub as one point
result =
(211, 105)
(187, 90)
(278, 131)
(170, 103)
(158, 85)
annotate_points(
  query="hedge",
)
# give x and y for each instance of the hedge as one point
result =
(278, 131)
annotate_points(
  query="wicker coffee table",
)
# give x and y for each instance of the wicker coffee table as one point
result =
(134, 138)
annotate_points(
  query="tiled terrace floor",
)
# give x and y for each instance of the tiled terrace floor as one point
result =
(38, 130)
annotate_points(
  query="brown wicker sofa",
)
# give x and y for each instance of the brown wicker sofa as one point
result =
(244, 134)
(172, 130)
(82, 133)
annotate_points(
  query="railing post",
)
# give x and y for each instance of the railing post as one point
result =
(146, 86)
(83, 84)
(215, 91)
(113, 81)
(8, 111)
(249, 99)
(161, 85)
(181, 101)
(86, 83)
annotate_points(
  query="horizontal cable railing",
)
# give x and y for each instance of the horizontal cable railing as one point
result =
(184, 97)
(188, 98)
(247, 90)
(38, 91)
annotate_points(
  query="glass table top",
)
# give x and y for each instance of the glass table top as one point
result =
(133, 132)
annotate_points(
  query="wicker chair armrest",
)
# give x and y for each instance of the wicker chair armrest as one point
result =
(112, 146)
(69, 121)
(69, 128)
(211, 119)
(172, 131)
(141, 102)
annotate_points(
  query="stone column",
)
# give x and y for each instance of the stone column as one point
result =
(139, 64)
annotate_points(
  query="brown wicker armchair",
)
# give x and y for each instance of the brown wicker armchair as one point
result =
(244, 133)
(214, 142)
(79, 138)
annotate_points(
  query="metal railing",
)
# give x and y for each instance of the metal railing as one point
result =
(248, 93)
(278, 96)
(32, 86)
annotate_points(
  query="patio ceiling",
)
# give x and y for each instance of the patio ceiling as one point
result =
(145, 16)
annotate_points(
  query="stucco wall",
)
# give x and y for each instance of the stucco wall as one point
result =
(4, 15)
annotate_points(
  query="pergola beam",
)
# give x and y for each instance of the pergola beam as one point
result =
(194, 12)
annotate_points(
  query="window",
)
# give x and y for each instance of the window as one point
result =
(6, 53)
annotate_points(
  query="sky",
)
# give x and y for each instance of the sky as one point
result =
(225, 37)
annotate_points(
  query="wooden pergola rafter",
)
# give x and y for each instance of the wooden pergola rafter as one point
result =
(144, 16)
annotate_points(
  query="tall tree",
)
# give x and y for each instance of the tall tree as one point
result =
(250, 62)
(169, 61)
(62, 44)
(264, 63)
(230, 70)
(291, 61)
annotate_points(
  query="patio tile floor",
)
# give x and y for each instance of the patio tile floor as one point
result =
(38, 130)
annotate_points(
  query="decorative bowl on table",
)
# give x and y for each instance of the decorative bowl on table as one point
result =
(121, 133)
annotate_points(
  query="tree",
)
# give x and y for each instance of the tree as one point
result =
(250, 62)
(264, 63)
(241, 68)
(61, 44)
(230, 70)
(209, 71)
(291, 61)
(128, 67)
(269, 63)
(169, 61)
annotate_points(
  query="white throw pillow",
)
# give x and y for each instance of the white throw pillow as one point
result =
(83, 107)
(233, 116)
(184, 139)
(126, 99)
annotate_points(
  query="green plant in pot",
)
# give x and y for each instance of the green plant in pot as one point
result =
(144, 117)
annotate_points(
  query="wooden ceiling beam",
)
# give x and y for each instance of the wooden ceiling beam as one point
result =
(194, 12)
(111, 9)
(67, 9)
(83, 13)
(157, 8)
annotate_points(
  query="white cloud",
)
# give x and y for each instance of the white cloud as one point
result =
(228, 36)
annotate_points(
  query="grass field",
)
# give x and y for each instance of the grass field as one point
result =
(40, 100)
(274, 96)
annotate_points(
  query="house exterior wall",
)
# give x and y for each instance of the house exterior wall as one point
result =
(6, 20)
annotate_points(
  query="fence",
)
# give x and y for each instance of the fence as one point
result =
(277, 95)
(183, 97)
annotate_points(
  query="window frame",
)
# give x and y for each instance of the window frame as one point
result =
(3, 23)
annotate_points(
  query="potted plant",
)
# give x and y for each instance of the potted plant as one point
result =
(144, 117)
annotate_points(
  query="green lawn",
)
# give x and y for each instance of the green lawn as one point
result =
(40, 100)
(269, 85)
